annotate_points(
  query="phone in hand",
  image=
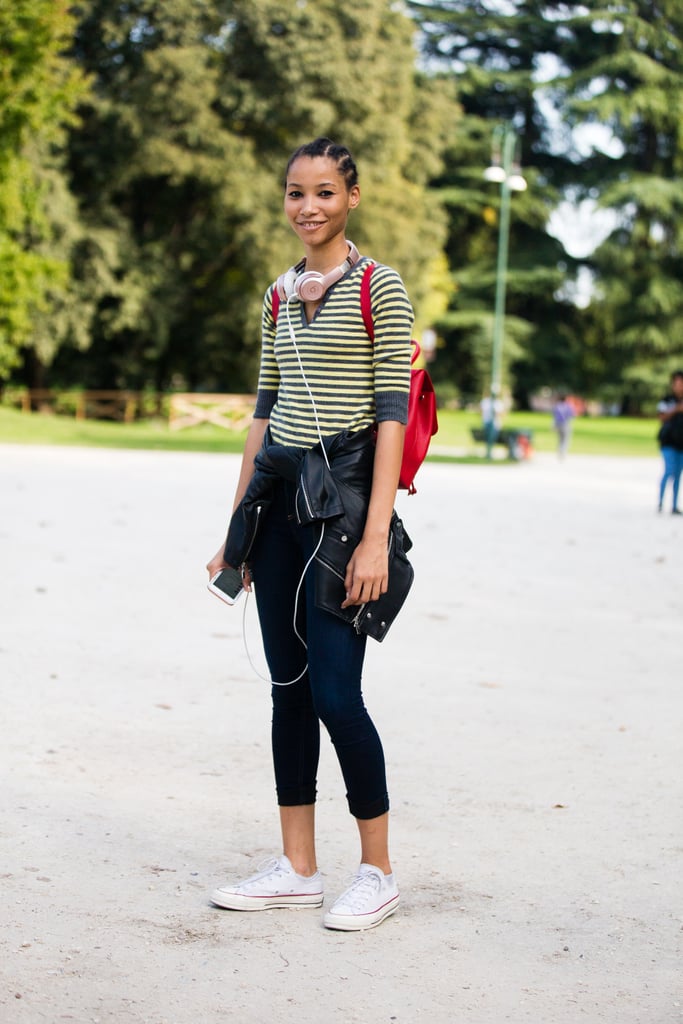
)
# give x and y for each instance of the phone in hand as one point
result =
(227, 584)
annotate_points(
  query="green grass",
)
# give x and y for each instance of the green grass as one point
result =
(608, 435)
(44, 428)
(592, 436)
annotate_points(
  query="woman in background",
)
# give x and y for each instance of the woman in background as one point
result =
(670, 411)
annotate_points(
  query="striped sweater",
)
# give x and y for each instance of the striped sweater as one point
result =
(354, 382)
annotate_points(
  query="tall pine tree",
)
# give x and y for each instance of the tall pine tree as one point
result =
(550, 69)
(625, 73)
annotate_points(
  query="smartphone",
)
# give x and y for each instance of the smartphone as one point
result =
(227, 584)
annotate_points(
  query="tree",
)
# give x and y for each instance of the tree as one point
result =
(38, 92)
(166, 263)
(625, 73)
(178, 158)
(495, 54)
(554, 69)
(348, 71)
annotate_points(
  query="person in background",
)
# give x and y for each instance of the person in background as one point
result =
(491, 416)
(670, 437)
(563, 416)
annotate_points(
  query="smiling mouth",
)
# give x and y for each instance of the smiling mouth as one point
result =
(310, 225)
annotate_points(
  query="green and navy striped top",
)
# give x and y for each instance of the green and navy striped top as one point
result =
(355, 382)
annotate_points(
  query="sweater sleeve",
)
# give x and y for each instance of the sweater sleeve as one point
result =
(269, 373)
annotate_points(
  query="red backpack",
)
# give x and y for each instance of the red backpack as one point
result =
(422, 420)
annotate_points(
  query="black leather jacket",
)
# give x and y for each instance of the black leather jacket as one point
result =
(333, 491)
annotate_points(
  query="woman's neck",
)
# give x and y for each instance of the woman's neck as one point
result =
(326, 258)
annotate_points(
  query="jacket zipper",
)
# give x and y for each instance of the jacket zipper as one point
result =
(302, 489)
(355, 622)
(253, 536)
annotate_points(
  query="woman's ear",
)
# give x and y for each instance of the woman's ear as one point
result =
(354, 197)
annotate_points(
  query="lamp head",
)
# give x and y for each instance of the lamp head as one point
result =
(516, 183)
(495, 173)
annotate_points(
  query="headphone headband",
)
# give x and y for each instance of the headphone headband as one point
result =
(310, 285)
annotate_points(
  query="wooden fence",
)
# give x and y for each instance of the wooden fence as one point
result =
(107, 405)
(231, 412)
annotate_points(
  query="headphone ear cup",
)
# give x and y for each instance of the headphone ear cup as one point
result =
(286, 284)
(311, 286)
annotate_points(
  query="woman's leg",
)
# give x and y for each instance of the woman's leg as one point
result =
(669, 457)
(297, 825)
(676, 474)
(335, 664)
(336, 654)
(277, 567)
(374, 842)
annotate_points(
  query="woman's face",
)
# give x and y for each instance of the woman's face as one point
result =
(677, 386)
(317, 201)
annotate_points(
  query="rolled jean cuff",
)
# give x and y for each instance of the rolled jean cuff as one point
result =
(296, 797)
(373, 810)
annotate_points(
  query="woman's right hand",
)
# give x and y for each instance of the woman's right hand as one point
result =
(218, 562)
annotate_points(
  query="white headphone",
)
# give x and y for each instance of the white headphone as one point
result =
(310, 285)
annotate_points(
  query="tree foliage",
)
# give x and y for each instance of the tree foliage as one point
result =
(625, 72)
(38, 92)
(553, 70)
(178, 161)
(137, 238)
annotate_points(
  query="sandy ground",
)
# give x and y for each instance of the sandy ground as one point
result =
(529, 699)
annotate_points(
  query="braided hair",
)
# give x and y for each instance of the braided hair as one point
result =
(335, 152)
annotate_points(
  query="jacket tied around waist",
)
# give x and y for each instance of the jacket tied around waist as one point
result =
(333, 492)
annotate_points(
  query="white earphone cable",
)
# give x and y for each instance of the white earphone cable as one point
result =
(294, 625)
(303, 376)
(322, 526)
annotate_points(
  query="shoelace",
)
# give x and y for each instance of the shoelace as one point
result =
(362, 886)
(269, 866)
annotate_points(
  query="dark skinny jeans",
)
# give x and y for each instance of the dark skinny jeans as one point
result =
(330, 690)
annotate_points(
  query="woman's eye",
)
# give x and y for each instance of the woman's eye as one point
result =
(294, 194)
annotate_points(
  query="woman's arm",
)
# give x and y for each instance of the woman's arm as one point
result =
(669, 413)
(367, 574)
(251, 447)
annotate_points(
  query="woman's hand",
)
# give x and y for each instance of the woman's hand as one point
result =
(218, 562)
(367, 574)
(252, 445)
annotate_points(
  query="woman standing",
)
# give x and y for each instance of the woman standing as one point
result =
(325, 389)
(670, 411)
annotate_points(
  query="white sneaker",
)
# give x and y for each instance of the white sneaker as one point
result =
(275, 884)
(370, 898)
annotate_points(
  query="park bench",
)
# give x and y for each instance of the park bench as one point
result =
(517, 442)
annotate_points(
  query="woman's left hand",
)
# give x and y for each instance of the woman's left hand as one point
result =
(367, 574)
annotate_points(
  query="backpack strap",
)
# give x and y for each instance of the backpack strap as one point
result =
(275, 304)
(365, 303)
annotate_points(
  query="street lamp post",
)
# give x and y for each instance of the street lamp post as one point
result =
(503, 172)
